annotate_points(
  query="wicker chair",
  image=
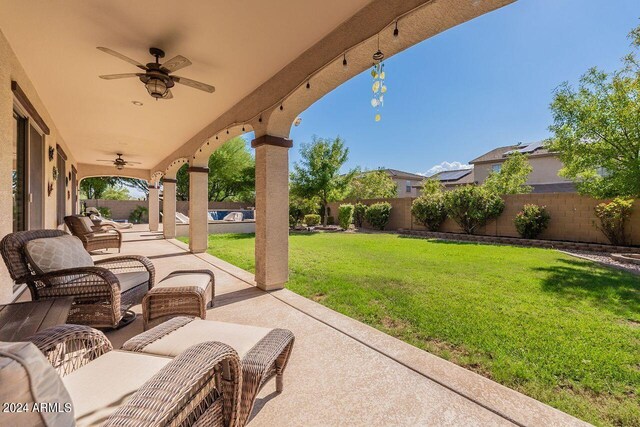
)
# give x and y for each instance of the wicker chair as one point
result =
(93, 237)
(101, 291)
(201, 386)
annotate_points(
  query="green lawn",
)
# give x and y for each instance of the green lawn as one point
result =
(559, 329)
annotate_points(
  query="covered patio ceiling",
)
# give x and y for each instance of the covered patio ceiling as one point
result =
(235, 46)
(256, 53)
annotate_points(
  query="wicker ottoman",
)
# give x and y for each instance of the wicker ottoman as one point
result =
(263, 352)
(181, 293)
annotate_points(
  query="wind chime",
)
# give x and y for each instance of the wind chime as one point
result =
(379, 88)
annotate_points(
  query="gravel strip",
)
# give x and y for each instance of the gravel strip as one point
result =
(605, 258)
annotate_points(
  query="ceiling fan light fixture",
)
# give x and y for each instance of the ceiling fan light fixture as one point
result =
(119, 166)
(156, 87)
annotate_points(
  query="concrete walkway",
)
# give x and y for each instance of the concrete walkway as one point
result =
(343, 372)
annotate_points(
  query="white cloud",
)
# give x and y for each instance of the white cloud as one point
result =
(446, 166)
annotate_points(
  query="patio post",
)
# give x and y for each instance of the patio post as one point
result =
(198, 208)
(169, 208)
(154, 207)
(272, 211)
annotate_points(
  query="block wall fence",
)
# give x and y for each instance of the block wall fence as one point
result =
(572, 218)
(121, 209)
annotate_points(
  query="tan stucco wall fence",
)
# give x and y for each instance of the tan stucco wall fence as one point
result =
(572, 218)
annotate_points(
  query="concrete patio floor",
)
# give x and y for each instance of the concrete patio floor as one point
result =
(342, 372)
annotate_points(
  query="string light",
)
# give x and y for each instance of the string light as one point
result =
(308, 85)
(395, 31)
(227, 131)
(345, 65)
(281, 107)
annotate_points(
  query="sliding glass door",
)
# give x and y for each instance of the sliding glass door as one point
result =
(19, 176)
(28, 175)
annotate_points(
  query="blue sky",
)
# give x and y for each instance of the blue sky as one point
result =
(483, 84)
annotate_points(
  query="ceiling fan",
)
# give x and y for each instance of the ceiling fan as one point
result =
(157, 77)
(119, 162)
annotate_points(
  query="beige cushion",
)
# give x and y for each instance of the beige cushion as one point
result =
(180, 280)
(241, 337)
(26, 377)
(132, 279)
(57, 253)
(100, 387)
(86, 223)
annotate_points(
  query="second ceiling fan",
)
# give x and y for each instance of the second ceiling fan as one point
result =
(157, 77)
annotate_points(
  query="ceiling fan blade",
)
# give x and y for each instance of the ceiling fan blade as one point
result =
(110, 161)
(194, 84)
(120, 76)
(176, 63)
(168, 95)
(121, 56)
(133, 163)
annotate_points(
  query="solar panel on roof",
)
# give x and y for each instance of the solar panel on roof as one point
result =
(531, 147)
(453, 175)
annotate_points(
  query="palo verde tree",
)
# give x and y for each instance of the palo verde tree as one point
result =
(512, 176)
(318, 173)
(596, 129)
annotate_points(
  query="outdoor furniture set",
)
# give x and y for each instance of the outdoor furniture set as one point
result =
(94, 236)
(182, 371)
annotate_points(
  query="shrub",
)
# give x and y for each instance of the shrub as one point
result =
(378, 215)
(311, 220)
(429, 210)
(137, 215)
(471, 207)
(531, 221)
(613, 217)
(345, 215)
(105, 212)
(359, 210)
(292, 221)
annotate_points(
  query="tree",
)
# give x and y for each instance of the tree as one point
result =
(137, 184)
(318, 173)
(596, 129)
(116, 193)
(231, 174)
(232, 171)
(94, 188)
(512, 176)
(431, 186)
(472, 207)
(372, 185)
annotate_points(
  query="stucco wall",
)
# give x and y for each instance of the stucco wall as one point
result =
(10, 69)
(401, 185)
(545, 170)
(572, 218)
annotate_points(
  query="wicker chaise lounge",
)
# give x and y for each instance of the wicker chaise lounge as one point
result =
(54, 264)
(93, 237)
(264, 352)
(96, 385)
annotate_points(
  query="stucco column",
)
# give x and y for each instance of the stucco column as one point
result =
(6, 166)
(154, 208)
(272, 211)
(169, 208)
(198, 208)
